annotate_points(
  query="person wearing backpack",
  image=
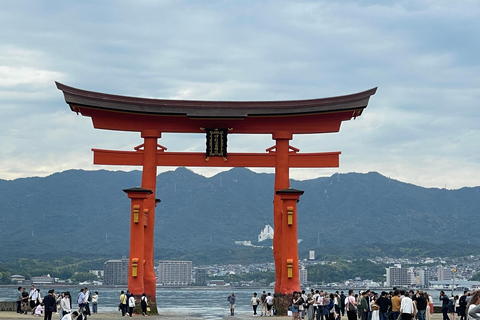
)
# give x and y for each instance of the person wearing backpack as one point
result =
(351, 306)
(444, 298)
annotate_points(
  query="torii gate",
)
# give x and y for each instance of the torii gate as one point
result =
(151, 117)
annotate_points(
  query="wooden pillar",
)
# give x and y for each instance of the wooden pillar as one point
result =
(282, 181)
(136, 258)
(149, 181)
(290, 270)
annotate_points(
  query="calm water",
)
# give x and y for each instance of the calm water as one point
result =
(205, 303)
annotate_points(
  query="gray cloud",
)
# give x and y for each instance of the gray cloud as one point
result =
(420, 127)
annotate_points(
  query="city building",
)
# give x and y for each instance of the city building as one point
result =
(18, 279)
(201, 276)
(444, 274)
(42, 279)
(303, 276)
(174, 273)
(98, 273)
(400, 277)
(115, 272)
(266, 233)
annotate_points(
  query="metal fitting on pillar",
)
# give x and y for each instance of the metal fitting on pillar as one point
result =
(289, 216)
(134, 267)
(289, 268)
(136, 211)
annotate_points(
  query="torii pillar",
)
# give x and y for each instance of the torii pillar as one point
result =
(289, 253)
(136, 260)
(149, 181)
(282, 181)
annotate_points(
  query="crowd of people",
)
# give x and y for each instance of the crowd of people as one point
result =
(366, 305)
(127, 303)
(57, 303)
(392, 305)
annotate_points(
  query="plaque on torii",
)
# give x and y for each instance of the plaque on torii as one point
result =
(280, 119)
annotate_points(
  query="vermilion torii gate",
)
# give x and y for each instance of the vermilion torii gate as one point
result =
(152, 117)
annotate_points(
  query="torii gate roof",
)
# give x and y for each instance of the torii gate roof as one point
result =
(115, 112)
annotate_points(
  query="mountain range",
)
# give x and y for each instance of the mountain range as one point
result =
(78, 212)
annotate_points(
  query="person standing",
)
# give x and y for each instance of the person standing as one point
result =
(59, 298)
(310, 311)
(444, 298)
(351, 306)
(32, 297)
(50, 305)
(263, 300)
(421, 305)
(123, 303)
(462, 306)
(65, 304)
(231, 298)
(305, 306)
(19, 300)
(95, 302)
(81, 301)
(86, 301)
(269, 300)
(24, 301)
(294, 305)
(385, 305)
(342, 303)
(143, 304)
(364, 305)
(131, 304)
(406, 308)
(254, 303)
(396, 301)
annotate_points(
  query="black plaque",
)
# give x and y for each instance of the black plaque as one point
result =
(216, 143)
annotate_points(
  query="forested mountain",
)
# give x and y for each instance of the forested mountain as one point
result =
(78, 212)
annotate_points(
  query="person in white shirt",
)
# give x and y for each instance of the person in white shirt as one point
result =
(269, 300)
(95, 302)
(131, 304)
(32, 297)
(86, 300)
(406, 308)
(65, 304)
(70, 316)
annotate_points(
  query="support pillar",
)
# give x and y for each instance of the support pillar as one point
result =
(282, 181)
(136, 258)
(290, 270)
(149, 181)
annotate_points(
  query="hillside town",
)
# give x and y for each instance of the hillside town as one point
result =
(441, 273)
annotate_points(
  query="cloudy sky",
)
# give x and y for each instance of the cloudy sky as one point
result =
(421, 127)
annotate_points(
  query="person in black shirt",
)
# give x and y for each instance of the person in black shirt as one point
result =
(444, 298)
(50, 305)
(421, 305)
(385, 306)
(462, 306)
